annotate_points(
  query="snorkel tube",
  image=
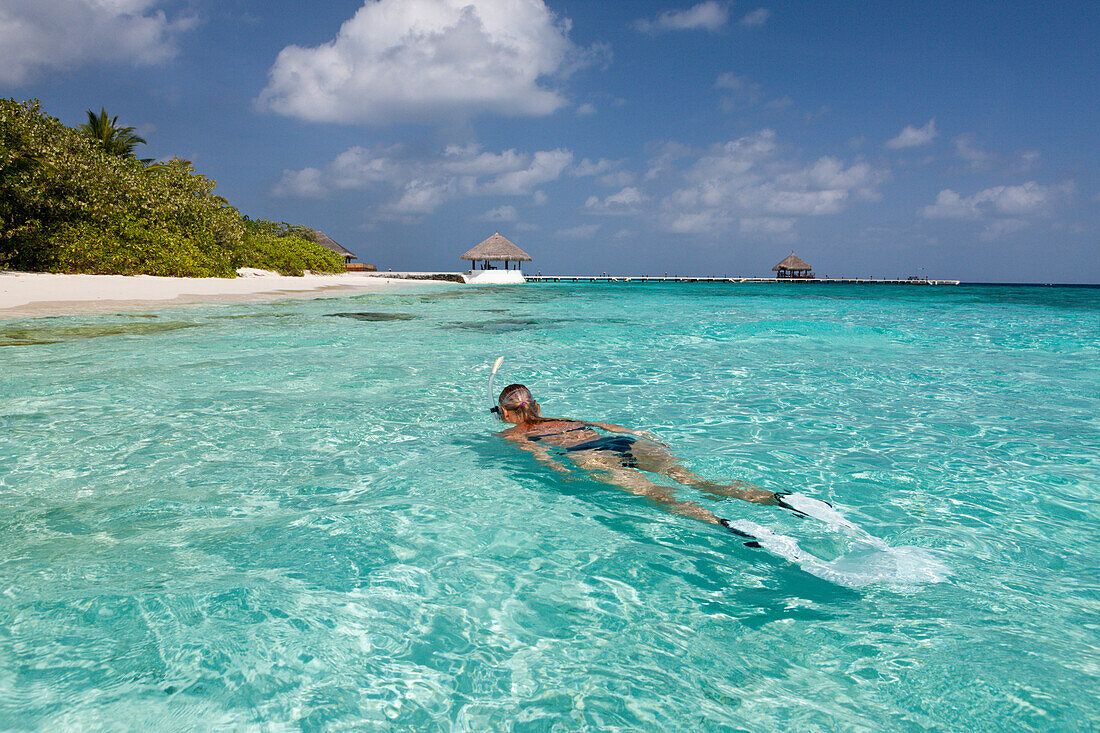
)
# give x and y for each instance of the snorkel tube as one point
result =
(495, 409)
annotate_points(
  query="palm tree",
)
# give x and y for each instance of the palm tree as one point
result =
(115, 140)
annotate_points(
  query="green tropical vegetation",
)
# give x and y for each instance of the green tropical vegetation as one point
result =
(114, 139)
(78, 200)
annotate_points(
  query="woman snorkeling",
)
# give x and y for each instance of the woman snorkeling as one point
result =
(618, 459)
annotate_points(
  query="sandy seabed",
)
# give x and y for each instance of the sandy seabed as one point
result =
(29, 294)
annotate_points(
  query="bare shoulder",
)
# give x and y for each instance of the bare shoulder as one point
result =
(512, 433)
(554, 425)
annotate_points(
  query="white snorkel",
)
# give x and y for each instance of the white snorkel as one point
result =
(495, 410)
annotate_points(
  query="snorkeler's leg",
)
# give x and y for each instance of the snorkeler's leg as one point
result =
(738, 490)
(657, 460)
(635, 483)
(601, 469)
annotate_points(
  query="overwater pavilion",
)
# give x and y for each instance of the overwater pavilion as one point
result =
(793, 266)
(496, 249)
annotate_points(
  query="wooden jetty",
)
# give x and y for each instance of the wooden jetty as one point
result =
(737, 280)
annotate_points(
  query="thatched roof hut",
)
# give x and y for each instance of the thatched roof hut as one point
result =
(793, 266)
(496, 248)
(328, 243)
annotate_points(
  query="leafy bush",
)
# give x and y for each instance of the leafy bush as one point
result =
(69, 205)
(285, 248)
(132, 247)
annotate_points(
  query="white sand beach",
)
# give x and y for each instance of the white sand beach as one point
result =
(28, 294)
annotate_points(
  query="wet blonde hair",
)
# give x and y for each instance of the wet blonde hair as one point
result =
(518, 399)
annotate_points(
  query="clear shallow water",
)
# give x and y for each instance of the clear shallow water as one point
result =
(265, 516)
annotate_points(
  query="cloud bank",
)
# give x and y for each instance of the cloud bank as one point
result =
(1002, 209)
(751, 185)
(747, 184)
(45, 35)
(408, 186)
(406, 60)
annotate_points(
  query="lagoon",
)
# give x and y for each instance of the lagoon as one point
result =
(295, 514)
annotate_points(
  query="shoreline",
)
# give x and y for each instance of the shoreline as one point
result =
(36, 294)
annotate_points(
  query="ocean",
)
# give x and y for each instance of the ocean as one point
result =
(296, 514)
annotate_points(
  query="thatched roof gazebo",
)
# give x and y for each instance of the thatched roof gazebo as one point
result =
(328, 243)
(793, 266)
(496, 249)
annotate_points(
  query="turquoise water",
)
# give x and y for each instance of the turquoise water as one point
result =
(266, 516)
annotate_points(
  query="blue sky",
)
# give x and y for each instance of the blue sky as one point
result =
(872, 138)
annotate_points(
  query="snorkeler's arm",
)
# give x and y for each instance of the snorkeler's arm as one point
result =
(628, 431)
(541, 454)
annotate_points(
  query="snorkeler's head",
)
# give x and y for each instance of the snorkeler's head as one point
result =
(518, 401)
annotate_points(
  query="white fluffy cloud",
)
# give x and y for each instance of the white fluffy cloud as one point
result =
(468, 160)
(709, 15)
(306, 183)
(1002, 209)
(409, 186)
(976, 158)
(1030, 199)
(626, 201)
(589, 167)
(747, 183)
(739, 92)
(664, 157)
(416, 59)
(912, 137)
(608, 173)
(43, 35)
(544, 166)
(756, 17)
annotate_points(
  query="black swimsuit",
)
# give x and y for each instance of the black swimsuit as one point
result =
(621, 444)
